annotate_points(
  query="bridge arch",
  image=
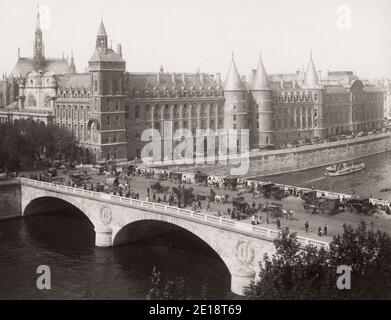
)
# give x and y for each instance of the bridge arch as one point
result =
(131, 231)
(50, 204)
(140, 224)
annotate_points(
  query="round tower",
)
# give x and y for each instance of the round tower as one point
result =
(312, 85)
(236, 104)
(262, 132)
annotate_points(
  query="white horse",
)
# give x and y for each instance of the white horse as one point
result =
(219, 199)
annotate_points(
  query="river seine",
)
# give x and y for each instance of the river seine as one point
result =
(374, 180)
(79, 270)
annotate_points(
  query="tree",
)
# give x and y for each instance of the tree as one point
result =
(27, 140)
(164, 289)
(294, 273)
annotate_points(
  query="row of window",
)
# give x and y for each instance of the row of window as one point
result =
(75, 113)
(183, 92)
(73, 94)
(176, 111)
(295, 97)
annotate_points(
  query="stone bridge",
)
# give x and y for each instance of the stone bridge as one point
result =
(118, 220)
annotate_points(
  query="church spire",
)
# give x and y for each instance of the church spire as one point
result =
(39, 55)
(72, 66)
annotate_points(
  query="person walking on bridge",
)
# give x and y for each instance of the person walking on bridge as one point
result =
(306, 226)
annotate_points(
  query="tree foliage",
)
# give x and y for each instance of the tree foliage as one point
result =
(27, 140)
(293, 273)
(165, 289)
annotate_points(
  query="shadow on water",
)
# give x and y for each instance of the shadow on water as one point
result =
(64, 241)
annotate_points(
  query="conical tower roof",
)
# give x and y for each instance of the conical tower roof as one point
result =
(260, 79)
(38, 22)
(311, 76)
(102, 29)
(233, 82)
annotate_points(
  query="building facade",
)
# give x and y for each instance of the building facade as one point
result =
(108, 108)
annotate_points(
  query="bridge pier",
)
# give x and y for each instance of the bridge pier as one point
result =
(241, 277)
(103, 236)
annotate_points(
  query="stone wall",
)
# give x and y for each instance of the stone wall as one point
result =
(312, 158)
(10, 199)
(274, 162)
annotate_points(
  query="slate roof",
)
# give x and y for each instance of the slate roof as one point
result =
(26, 65)
(79, 80)
(107, 55)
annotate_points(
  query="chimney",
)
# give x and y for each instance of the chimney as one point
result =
(119, 49)
(212, 77)
(173, 77)
(218, 77)
(184, 79)
(282, 84)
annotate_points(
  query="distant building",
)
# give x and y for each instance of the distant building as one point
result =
(385, 86)
(108, 108)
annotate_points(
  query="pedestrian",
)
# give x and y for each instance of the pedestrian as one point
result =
(154, 197)
(278, 223)
(306, 226)
(199, 204)
(148, 190)
(325, 230)
(208, 207)
(320, 231)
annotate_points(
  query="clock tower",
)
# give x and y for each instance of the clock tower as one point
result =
(107, 124)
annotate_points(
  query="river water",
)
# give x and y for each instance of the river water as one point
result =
(370, 182)
(79, 270)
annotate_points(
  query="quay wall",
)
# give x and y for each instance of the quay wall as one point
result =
(317, 156)
(10, 199)
(274, 162)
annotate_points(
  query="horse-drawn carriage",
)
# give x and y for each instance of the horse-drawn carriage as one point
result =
(201, 178)
(266, 189)
(324, 204)
(239, 204)
(176, 177)
(361, 205)
(275, 210)
(230, 182)
(158, 188)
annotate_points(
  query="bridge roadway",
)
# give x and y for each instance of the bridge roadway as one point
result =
(117, 220)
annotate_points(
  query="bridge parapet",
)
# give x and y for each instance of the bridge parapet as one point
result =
(200, 217)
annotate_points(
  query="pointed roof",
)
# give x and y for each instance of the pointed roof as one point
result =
(260, 78)
(233, 82)
(38, 27)
(102, 29)
(311, 76)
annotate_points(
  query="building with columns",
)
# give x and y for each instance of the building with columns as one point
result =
(108, 108)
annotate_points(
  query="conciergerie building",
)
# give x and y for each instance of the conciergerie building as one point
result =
(108, 107)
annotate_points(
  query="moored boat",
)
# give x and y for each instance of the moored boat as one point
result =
(341, 169)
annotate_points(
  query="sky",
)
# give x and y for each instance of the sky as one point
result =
(184, 35)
